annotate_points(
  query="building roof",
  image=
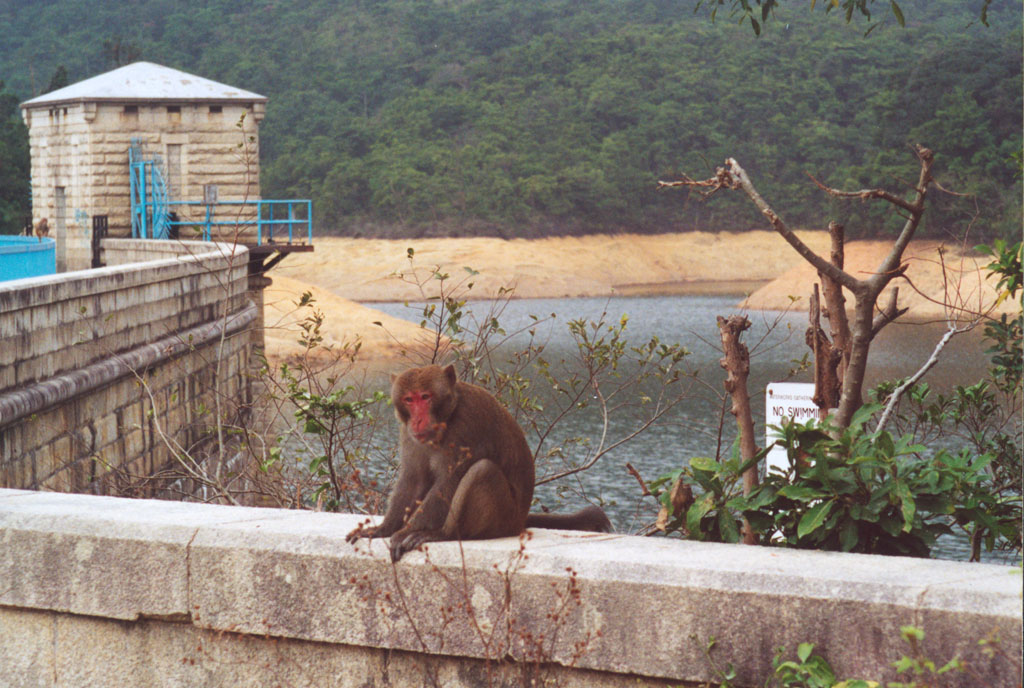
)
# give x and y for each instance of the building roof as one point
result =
(145, 82)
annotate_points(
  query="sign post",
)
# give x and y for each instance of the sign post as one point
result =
(789, 401)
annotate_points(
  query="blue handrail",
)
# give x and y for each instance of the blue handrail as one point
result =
(148, 195)
(298, 212)
(153, 216)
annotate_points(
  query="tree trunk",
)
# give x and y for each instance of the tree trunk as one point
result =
(827, 358)
(851, 398)
(737, 366)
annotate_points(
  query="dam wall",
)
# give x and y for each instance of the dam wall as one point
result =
(110, 375)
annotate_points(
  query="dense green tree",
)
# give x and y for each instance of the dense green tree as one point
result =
(14, 166)
(420, 116)
(59, 79)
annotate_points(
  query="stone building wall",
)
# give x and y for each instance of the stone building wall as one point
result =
(80, 164)
(107, 375)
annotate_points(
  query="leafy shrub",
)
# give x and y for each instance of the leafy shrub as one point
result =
(849, 490)
(858, 491)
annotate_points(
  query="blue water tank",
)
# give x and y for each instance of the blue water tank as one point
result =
(25, 256)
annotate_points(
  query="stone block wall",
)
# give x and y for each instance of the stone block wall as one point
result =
(105, 373)
(99, 591)
(80, 163)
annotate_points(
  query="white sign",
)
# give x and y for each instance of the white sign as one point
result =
(210, 194)
(791, 401)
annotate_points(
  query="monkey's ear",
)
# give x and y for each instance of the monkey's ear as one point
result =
(449, 373)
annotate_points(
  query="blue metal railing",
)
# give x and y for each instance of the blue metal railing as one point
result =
(148, 195)
(154, 216)
(283, 216)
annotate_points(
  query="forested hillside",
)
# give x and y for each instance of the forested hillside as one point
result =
(522, 118)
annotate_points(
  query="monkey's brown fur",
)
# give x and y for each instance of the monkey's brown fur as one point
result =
(466, 472)
(42, 229)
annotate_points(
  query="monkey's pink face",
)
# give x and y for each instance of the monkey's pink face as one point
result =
(422, 426)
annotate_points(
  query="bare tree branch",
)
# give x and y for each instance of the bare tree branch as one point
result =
(890, 263)
(864, 194)
(887, 314)
(897, 393)
(865, 325)
(742, 181)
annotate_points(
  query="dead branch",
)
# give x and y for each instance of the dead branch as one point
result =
(721, 180)
(897, 393)
(742, 181)
(864, 194)
(887, 314)
(865, 324)
(888, 265)
(644, 491)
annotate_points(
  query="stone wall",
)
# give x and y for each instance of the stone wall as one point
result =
(103, 371)
(80, 162)
(100, 591)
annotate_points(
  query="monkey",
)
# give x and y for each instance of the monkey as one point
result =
(466, 471)
(42, 229)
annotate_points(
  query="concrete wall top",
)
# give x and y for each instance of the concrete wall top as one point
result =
(174, 258)
(612, 603)
(58, 323)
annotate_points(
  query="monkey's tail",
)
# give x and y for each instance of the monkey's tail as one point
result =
(591, 518)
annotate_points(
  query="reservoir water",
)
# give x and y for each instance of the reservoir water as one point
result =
(691, 429)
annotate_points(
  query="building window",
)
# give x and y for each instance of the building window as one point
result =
(130, 111)
(216, 109)
(174, 109)
(175, 176)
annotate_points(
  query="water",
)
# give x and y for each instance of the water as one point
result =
(691, 428)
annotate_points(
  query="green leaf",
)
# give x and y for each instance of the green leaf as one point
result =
(848, 536)
(954, 664)
(762, 496)
(813, 519)
(704, 463)
(885, 445)
(727, 526)
(907, 505)
(803, 651)
(801, 493)
(890, 525)
(696, 513)
(819, 670)
(753, 460)
(904, 664)
(898, 13)
(863, 414)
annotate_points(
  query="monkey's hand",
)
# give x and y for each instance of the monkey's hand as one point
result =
(362, 531)
(406, 541)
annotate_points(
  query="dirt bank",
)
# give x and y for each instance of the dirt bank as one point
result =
(598, 265)
(342, 272)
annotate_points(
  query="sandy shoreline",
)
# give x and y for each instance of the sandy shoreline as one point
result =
(344, 273)
(364, 269)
